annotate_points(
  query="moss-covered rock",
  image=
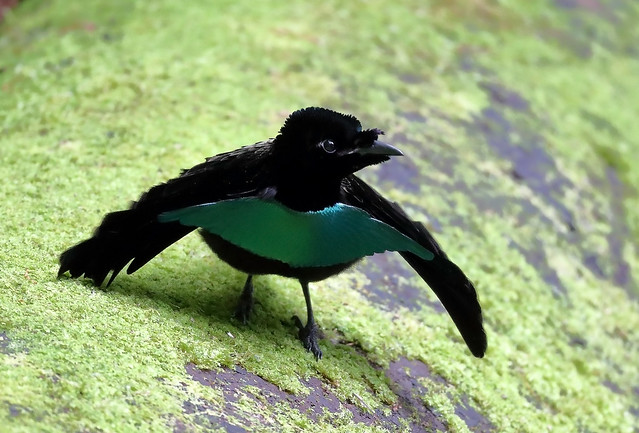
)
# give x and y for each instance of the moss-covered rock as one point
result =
(519, 122)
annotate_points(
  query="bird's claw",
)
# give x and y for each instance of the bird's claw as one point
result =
(309, 335)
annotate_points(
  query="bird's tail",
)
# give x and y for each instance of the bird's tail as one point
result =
(132, 235)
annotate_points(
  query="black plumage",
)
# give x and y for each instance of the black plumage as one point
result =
(307, 167)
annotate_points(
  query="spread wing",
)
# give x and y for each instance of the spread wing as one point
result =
(455, 291)
(135, 235)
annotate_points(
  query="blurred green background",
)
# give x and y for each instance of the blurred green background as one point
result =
(518, 119)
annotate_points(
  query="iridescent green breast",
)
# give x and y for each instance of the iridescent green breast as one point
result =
(334, 235)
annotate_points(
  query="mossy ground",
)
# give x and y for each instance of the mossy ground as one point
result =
(519, 119)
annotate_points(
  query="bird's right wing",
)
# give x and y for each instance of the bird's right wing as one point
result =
(455, 291)
(135, 235)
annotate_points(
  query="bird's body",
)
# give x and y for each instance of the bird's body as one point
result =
(302, 179)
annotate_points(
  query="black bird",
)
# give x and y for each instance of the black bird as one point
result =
(289, 206)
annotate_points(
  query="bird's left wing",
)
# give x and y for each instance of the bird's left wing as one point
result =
(455, 291)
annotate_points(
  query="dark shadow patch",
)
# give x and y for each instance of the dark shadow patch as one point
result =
(535, 401)
(213, 301)
(591, 262)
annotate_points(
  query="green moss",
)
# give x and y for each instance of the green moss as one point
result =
(100, 100)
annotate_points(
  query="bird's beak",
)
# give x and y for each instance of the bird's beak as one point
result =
(380, 148)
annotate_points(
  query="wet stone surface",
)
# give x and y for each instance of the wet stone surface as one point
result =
(507, 126)
(16, 410)
(531, 162)
(407, 376)
(592, 6)
(402, 173)
(406, 379)
(536, 255)
(475, 421)
(389, 284)
(315, 405)
(512, 138)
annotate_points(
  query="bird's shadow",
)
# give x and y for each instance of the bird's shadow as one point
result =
(208, 289)
(200, 291)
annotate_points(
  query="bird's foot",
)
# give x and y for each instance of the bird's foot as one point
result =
(309, 335)
(245, 304)
(243, 310)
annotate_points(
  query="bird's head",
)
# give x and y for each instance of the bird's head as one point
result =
(324, 143)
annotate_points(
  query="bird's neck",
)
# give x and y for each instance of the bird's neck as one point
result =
(306, 196)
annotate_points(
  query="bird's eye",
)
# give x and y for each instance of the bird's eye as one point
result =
(328, 146)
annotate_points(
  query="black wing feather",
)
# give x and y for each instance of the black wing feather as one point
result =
(455, 291)
(135, 236)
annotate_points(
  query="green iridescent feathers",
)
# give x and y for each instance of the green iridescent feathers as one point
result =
(334, 235)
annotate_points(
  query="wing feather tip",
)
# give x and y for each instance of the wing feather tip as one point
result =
(478, 348)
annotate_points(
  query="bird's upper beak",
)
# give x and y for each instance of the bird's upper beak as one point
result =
(380, 148)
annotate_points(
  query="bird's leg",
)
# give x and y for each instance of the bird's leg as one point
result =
(245, 305)
(310, 333)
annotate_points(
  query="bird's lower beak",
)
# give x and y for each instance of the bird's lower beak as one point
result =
(380, 148)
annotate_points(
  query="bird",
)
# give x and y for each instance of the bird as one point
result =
(290, 206)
